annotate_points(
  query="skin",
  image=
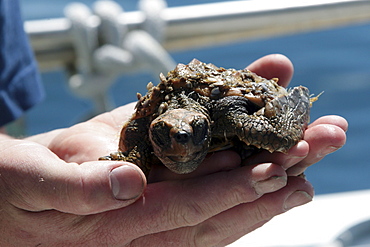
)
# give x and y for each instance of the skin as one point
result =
(55, 193)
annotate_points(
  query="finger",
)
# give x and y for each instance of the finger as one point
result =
(38, 180)
(214, 162)
(173, 204)
(226, 227)
(333, 120)
(296, 154)
(274, 66)
(323, 139)
(297, 192)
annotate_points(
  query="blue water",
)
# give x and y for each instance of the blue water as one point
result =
(336, 61)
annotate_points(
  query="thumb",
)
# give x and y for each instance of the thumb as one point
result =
(38, 180)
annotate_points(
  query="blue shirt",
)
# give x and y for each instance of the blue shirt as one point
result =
(20, 86)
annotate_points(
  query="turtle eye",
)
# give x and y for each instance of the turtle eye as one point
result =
(160, 134)
(200, 130)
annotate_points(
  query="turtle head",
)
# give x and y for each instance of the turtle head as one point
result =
(180, 139)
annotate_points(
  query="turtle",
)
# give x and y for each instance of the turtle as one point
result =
(200, 108)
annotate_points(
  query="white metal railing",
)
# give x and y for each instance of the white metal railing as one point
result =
(207, 24)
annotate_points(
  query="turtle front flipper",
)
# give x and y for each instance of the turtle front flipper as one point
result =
(135, 146)
(277, 126)
(133, 156)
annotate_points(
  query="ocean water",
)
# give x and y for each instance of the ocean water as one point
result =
(336, 61)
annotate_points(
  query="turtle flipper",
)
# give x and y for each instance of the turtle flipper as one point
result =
(277, 126)
(133, 157)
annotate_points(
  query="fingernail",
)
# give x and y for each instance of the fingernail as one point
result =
(296, 199)
(126, 182)
(270, 185)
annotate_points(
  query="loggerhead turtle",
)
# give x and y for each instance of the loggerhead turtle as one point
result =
(200, 108)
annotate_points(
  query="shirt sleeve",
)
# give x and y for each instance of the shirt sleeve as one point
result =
(20, 86)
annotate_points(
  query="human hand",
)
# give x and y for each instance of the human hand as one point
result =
(324, 136)
(48, 202)
(66, 203)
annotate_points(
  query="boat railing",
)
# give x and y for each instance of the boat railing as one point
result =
(208, 24)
